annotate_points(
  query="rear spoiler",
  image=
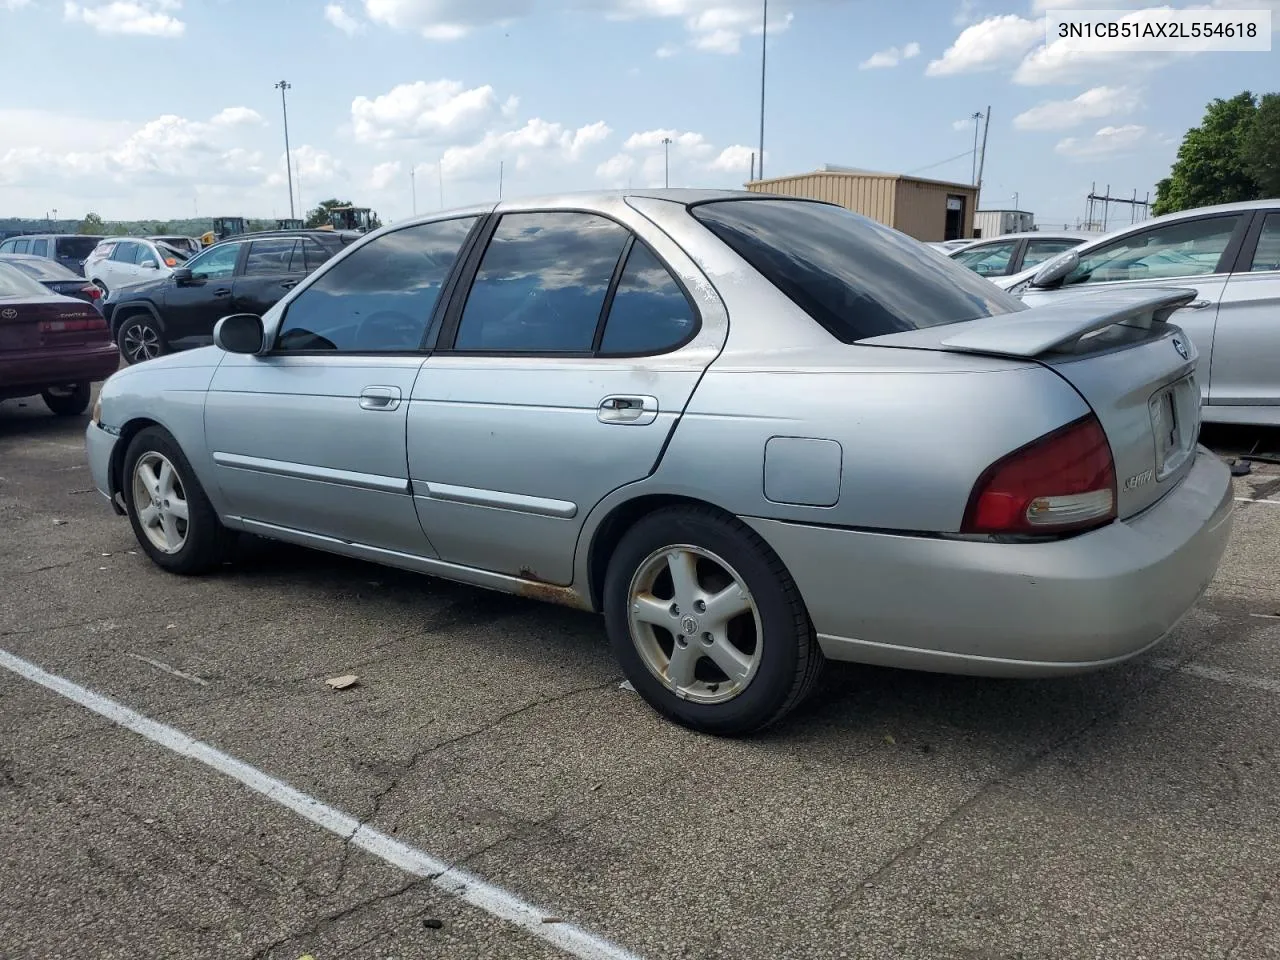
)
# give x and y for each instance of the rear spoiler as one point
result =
(1038, 330)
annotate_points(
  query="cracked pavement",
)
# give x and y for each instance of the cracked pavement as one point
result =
(1125, 814)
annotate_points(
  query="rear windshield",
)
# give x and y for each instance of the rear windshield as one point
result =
(182, 256)
(42, 269)
(76, 247)
(15, 283)
(854, 276)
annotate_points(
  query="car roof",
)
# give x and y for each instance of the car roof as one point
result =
(58, 236)
(1042, 235)
(24, 256)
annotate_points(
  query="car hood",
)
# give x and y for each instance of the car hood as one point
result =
(197, 358)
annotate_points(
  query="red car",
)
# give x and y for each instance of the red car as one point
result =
(50, 345)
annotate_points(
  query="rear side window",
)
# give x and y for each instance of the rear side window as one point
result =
(22, 246)
(76, 248)
(314, 253)
(269, 258)
(380, 298)
(40, 248)
(1267, 255)
(650, 312)
(7, 246)
(125, 253)
(855, 277)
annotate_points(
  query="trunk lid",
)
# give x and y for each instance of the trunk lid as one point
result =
(42, 323)
(1134, 369)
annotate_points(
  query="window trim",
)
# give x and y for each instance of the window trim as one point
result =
(453, 318)
(425, 347)
(1015, 255)
(249, 244)
(1226, 262)
(1249, 245)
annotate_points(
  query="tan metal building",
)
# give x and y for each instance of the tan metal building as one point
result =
(924, 209)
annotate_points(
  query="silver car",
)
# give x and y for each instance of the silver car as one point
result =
(1014, 252)
(1230, 256)
(754, 432)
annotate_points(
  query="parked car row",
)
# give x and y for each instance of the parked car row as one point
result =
(699, 413)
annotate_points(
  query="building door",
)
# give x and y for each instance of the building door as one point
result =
(955, 218)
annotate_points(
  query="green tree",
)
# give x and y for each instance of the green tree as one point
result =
(92, 224)
(1211, 166)
(1262, 146)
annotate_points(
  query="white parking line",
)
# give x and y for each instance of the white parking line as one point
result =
(1218, 674)
(467, 887)
(1274, 503)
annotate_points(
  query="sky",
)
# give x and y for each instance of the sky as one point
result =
(168, 108)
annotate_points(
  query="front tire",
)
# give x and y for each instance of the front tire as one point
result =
(67, 401)
(171, 516)
(707, 624)
(140, 338)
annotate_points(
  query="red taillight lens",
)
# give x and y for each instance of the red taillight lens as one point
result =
(91, 291)
(1065, 481)
(76, 325)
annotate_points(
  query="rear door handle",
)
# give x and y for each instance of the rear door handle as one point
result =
(288, 284)
(222, 293)
(380, 398)
(629, 410)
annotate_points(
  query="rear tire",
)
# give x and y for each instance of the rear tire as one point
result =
(732, 650)
(67, 401)
(140, 338)
(172, 518)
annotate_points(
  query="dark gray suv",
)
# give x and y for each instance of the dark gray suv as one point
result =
(69, 249)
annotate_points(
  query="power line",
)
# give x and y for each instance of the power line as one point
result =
(930, 166)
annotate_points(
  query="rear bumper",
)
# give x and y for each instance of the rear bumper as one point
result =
(1012, 609)
(30, 373)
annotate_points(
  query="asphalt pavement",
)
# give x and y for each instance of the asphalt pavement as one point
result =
(1123, 814)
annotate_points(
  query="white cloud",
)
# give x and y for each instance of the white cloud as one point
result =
(687, 142)
(1107, 142)
(988, 44)
(437, 110)
(1096, 103)
(238, 117)
(521, 148)
(616, 169)
(444, 19)
(138, 17)
(587, 137)
(735, 159)
(890, 57)
(14, 4)
(666, 50)
(385, 174)
(338, 17)
(962, 125)
(721, 28)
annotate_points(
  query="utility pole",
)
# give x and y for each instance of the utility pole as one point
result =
(501, 165)
(282, 86)
(413, 186)
(752, 176)
(666, 161)
(764, 43)
(982, 160)
(973, 160)
(440, 169)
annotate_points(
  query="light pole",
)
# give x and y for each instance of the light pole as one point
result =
(666, 161)
(973, 175)
(413, 186)
(282, 86)
(764, 42)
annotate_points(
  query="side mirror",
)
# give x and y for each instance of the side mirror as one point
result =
(182, 275)
(1056, 270)
(148, 265)
(239, 333)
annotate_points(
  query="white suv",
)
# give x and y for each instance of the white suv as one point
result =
(121, 261)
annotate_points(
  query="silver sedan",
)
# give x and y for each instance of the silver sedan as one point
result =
(754, 432)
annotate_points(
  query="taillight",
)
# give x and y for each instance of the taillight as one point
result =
(91, 291)
(75, 325)
(1064, 481)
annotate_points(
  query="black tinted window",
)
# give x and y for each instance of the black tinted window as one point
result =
(269, 258)
(314, 253)
(76, 248)
(381, 297)
(541, 284)
(854, 276)
(650, 312)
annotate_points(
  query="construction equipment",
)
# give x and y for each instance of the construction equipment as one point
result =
(359, 219)
(224, 227)
(289, 224)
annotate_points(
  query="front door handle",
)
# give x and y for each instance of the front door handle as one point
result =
(222, 293)
(1198, 304)
(380, 398)
(289, 284)
(630, 410)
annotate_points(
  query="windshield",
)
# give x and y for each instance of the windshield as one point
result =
(41, 268)
(855, 277)
(15, 283)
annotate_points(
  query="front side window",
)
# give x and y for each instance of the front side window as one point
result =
(650, 312)
(269, 258)
(146, 255)
(853, 276)
(125, 253)
(1038, 251)
(1186, 249)
(7, 246)
(1267, 254)
(22, 246)
(216, 263)
(381, 297)
(541, 284)
(988, 260)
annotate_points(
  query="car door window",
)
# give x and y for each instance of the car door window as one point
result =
(40, 248)
(7, 246)
(216, 263)
(380, 298)
(988, 260)
(125, 253)
(145, 255)
(1038, 251)
(649, 313)
(1188, 248)
(269, 258)
(22, 246)
(1267, 254)
(314, 253)
(541, 284)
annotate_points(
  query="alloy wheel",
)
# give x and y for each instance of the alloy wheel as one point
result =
(140, 342)
(161, 502)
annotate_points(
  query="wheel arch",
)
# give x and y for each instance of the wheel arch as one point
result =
(614, 524)
(126, 311)
(128, 430)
